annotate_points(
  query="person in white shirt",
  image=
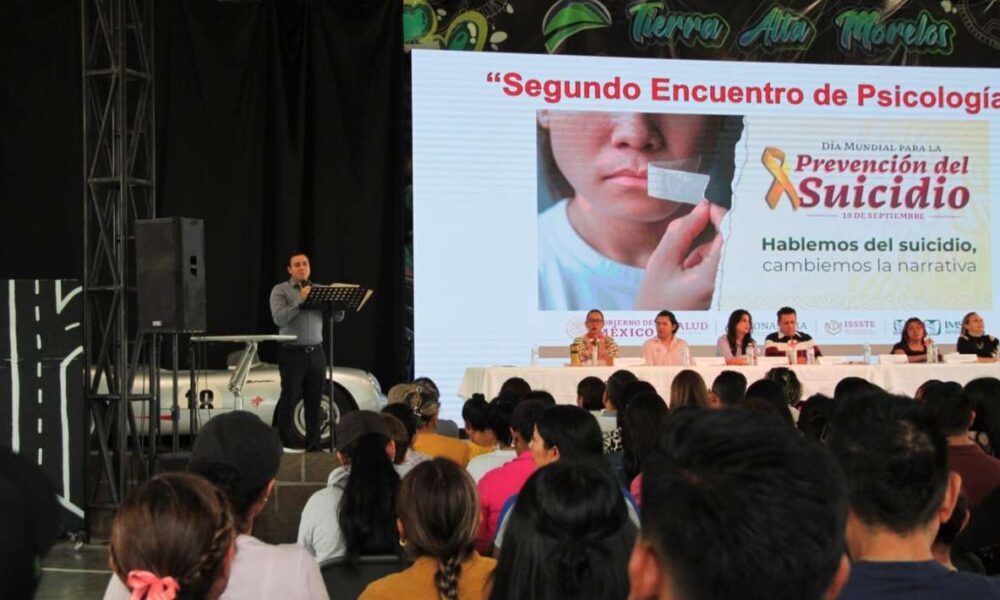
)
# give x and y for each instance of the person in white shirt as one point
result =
(666, 348)
(498, 421)
(240, 454)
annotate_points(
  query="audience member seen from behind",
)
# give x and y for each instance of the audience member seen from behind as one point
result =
(590, 394)
(738, 506)
(426, 406)
(789, 338)
(688, 389)
(569, 536)
(737, 344)
(475, 413)
(29, 523)
(900, 491)
(791, 388)
(951, 410)
(438, 519)
(445, 427)
(240, 455)
(666, 348)
(614, 396)
(814, 418)
(354, 514)
(498, 485)
(595, 341)
(728, 389)
(985, 394)
(498, 416)
(406, 457)
(516, 386)
(173, 536)
(851, 387)
(642, 425)
(975, 340)
(914, 341)
(772, 393)
(565, 433)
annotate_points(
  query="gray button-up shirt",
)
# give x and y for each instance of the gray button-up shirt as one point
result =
(305, 325)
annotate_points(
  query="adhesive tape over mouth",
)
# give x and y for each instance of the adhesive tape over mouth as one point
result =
(676, 180)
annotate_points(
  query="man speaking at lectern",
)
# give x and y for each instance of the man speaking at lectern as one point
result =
(301, 362)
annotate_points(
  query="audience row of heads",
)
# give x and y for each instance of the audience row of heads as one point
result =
(713, 480)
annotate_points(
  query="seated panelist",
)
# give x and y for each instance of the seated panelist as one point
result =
(666, 348)
(975, 340)
(607, 349)
(788, 337)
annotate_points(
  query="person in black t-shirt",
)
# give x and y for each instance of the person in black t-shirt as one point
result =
(974, 339)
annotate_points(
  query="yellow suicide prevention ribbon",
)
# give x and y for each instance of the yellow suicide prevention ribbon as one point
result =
(774, 161)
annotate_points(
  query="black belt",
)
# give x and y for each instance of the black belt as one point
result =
(306, 349)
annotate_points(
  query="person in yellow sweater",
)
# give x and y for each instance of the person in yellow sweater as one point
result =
(438, 512)
(426, 406)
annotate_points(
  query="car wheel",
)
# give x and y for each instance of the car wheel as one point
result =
(342, 402)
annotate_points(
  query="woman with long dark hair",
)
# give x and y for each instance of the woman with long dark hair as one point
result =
(642, 425)
(355, 513)
(438, 520)
(737, 343)
(914, 341)
(569, 537)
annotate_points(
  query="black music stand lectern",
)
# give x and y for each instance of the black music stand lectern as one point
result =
(335, 300)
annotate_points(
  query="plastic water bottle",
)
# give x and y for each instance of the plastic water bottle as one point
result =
(790, 354)
(686, 356)
(810, 356)
(534, 356)
(752, 355)
(593, 355)
(932, 353)
(866, 354)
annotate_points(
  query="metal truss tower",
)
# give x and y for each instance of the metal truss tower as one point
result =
(119, 187)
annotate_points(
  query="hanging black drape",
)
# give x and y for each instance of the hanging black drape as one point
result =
(278, 123)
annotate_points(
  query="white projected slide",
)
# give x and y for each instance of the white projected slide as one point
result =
(548, 185)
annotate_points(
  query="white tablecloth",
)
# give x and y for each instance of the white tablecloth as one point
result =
(561, 381)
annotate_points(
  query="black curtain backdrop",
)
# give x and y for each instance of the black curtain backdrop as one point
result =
(278, 122)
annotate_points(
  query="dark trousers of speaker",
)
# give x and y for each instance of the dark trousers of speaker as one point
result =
(170, 275)
(303, 373)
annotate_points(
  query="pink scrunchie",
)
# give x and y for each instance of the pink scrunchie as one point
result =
(147, 585)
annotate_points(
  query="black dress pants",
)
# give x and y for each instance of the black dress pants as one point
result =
(303, 372)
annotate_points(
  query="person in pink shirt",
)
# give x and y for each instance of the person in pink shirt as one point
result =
(666, 348)
(498, 485)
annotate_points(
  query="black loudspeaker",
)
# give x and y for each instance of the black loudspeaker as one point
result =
(170, 274)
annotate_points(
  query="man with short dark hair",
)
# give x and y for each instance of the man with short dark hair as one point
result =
(788, 337)
(302, 361)
(900, 491)
(738, 506)
(951, 410)
(728, 389)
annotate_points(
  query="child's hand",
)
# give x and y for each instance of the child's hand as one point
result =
(681, 282)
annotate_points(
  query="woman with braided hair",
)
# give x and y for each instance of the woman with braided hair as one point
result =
(174, 538)
(438, 520)
(569, 536)
(426, 405)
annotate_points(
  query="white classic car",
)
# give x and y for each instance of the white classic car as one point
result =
(253, 386)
